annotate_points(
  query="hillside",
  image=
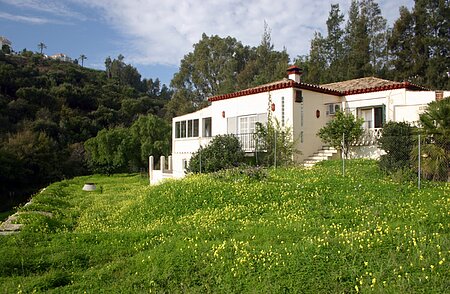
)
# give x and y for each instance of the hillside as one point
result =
(285, 230)
(49, 108)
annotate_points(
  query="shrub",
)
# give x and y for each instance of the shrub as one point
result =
(397, 142)
(342, 126)
(276, 143)
(224, 151)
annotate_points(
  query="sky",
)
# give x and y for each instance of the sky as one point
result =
(155, 35)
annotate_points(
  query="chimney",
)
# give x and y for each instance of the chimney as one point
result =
(295, 73)
(439, 95)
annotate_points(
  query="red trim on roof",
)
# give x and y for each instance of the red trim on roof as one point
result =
(276, 86)
(303, 86)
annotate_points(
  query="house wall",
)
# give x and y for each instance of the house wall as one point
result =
(305, 133)
(400, 104)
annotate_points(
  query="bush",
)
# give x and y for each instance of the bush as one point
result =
(224, 151)
(397, 142)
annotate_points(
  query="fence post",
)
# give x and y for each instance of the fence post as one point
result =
(343, 155)
(200, 156)
(419, 167)
(275, 153)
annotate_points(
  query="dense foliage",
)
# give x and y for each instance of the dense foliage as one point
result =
(342, 131)
(296, 231)
(122, 149)
(416, 49)
(224, 151)
(397, 141)
(49, 108)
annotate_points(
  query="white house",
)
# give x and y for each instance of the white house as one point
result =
(304, 107)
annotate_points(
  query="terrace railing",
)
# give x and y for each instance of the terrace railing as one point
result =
(369, 137)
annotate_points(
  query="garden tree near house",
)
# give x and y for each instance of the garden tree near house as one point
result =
(342, 131)
(436, 147)
(150, 135)
(41, 47)
(224, 151)
(275, 144)
(82, 58)
(397, 141)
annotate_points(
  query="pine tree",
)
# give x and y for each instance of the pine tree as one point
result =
(334, 44)
(357, 43)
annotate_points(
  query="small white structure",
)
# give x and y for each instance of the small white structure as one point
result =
(61, 57)
(304, 107)
(5, 41)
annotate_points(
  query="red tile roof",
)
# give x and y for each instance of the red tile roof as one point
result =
(369, 84)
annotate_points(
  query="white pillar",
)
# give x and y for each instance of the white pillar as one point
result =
(162, 163)
(169, 162)
(151, 164)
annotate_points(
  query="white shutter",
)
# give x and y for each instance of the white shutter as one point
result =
(232, 125)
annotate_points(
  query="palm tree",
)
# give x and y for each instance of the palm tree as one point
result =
(436, 150)
(41, 46)
(82, 57)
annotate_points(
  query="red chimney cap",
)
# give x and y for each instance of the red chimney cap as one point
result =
(294, 69)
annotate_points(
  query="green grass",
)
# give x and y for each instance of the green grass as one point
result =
(298, 231)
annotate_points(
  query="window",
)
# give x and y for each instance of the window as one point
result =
(333, 108)
(282, 111)
(247, 124)
(186, 128)
(298, 96)
(177, 129)
(207, 127)
(374, 117)
(183, 129)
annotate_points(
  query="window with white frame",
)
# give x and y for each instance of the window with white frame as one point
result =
(186, 128)
(247, 124)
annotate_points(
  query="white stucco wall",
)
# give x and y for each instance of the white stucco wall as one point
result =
(312, 101)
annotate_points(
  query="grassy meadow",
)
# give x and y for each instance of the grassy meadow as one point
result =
(275, 231)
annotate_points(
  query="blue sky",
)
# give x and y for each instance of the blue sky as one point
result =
(155, 35)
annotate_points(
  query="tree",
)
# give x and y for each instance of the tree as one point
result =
(376, 31)
(41, 46)
(151, 135)
(276, 144)
(400, 44)
(224, 151)
(357, 43)
(436, 146)
(82, 57)
(342, 131)
(317, 60)
(397, 142)
(420, 42)
(334, 44)
(110, 151)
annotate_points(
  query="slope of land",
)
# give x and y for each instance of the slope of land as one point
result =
(285, 230)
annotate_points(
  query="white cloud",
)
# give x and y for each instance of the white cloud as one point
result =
(28, 19)
(57, 7)
(162, 32)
